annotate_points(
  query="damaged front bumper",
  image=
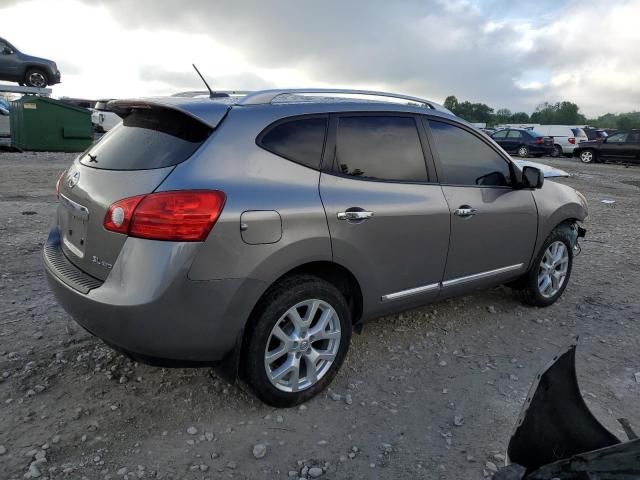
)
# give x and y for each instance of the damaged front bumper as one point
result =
(557, 436)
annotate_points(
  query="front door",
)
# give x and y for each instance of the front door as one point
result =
(389, 223)
(614, 147)
(493, 226)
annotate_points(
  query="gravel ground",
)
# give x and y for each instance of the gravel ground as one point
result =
(431, 393)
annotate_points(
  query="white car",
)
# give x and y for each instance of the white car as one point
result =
(565, 137)
(102, 119)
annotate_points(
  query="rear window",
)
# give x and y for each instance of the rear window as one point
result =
(300, 140)
(147, 139)
(535, 134)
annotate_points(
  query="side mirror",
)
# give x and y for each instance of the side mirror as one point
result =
(532, 177)
(7, 51)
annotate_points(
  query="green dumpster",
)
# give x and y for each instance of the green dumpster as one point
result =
(44, 124)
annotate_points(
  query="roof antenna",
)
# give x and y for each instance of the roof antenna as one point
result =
(212, 94)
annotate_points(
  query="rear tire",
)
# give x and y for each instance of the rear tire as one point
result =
(588, 156)
(523, 151)
(549, 275)
(557, 151)
(303, 329)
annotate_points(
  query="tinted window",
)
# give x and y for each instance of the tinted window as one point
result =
(146, 139)
(300, 140)
(386, 148)
(467, 160)
(617, 138)
(500, 134)
(634, 137)
(535, 134)
(513, 134)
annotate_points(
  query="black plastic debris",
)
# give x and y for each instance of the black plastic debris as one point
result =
(557, 436)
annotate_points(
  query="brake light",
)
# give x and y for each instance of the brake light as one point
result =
(539, 141)
(119, 215)
(572, 140)
(181, 215)
(58, 183)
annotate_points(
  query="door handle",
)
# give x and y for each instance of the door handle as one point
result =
(465, 211)
(351, 215)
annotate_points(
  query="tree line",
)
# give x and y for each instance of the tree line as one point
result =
(559, 113)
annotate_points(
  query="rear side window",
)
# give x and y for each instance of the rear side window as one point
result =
(147, 139)
(300, 140)
(467, 160)
(514, 134)
(578, 132)
(380, 147)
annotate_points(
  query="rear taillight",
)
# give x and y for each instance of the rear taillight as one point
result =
(539, 141)
(182, 216)
(572, 140)
(58, 183)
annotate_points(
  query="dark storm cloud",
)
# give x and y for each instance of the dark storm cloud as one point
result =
(433, 48)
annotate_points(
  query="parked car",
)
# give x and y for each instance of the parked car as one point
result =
(523, 142)
(565, 137)
(621, 147)
(102, 119)
(258, 235)
(595, 134)
(16, 66)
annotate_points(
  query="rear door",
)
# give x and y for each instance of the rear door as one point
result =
(633, 146)
(132, 159)
(501, 138)
(493, 226)
(513, 140)
(388, 219)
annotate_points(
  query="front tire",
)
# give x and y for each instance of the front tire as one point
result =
(588, 156)
(36, 78)
(523, 151)
(547, 279)
(298, 342)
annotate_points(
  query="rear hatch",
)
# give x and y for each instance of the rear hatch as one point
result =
(132, 159)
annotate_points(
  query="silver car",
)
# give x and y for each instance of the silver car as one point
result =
(258, 233)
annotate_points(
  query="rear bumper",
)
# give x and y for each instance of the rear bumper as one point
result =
(147, 306)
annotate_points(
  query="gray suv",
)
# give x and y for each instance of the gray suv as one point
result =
(257, 233)
(28, 70)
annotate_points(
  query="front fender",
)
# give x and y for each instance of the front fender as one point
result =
(556, 204)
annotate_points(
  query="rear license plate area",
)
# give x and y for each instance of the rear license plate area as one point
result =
(73, 221)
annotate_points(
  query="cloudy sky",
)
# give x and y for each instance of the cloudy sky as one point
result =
(501, 52)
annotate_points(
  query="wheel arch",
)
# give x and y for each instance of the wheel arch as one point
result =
(338, 275)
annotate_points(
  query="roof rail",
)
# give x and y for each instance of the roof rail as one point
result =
(263, 97)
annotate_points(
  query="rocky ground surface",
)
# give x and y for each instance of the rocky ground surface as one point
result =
(432, 393)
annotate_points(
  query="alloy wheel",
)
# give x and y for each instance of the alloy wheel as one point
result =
(586, 156)
(557, 151)
(302, 346)
(553, 269)
(523, 152)
(37, 79)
